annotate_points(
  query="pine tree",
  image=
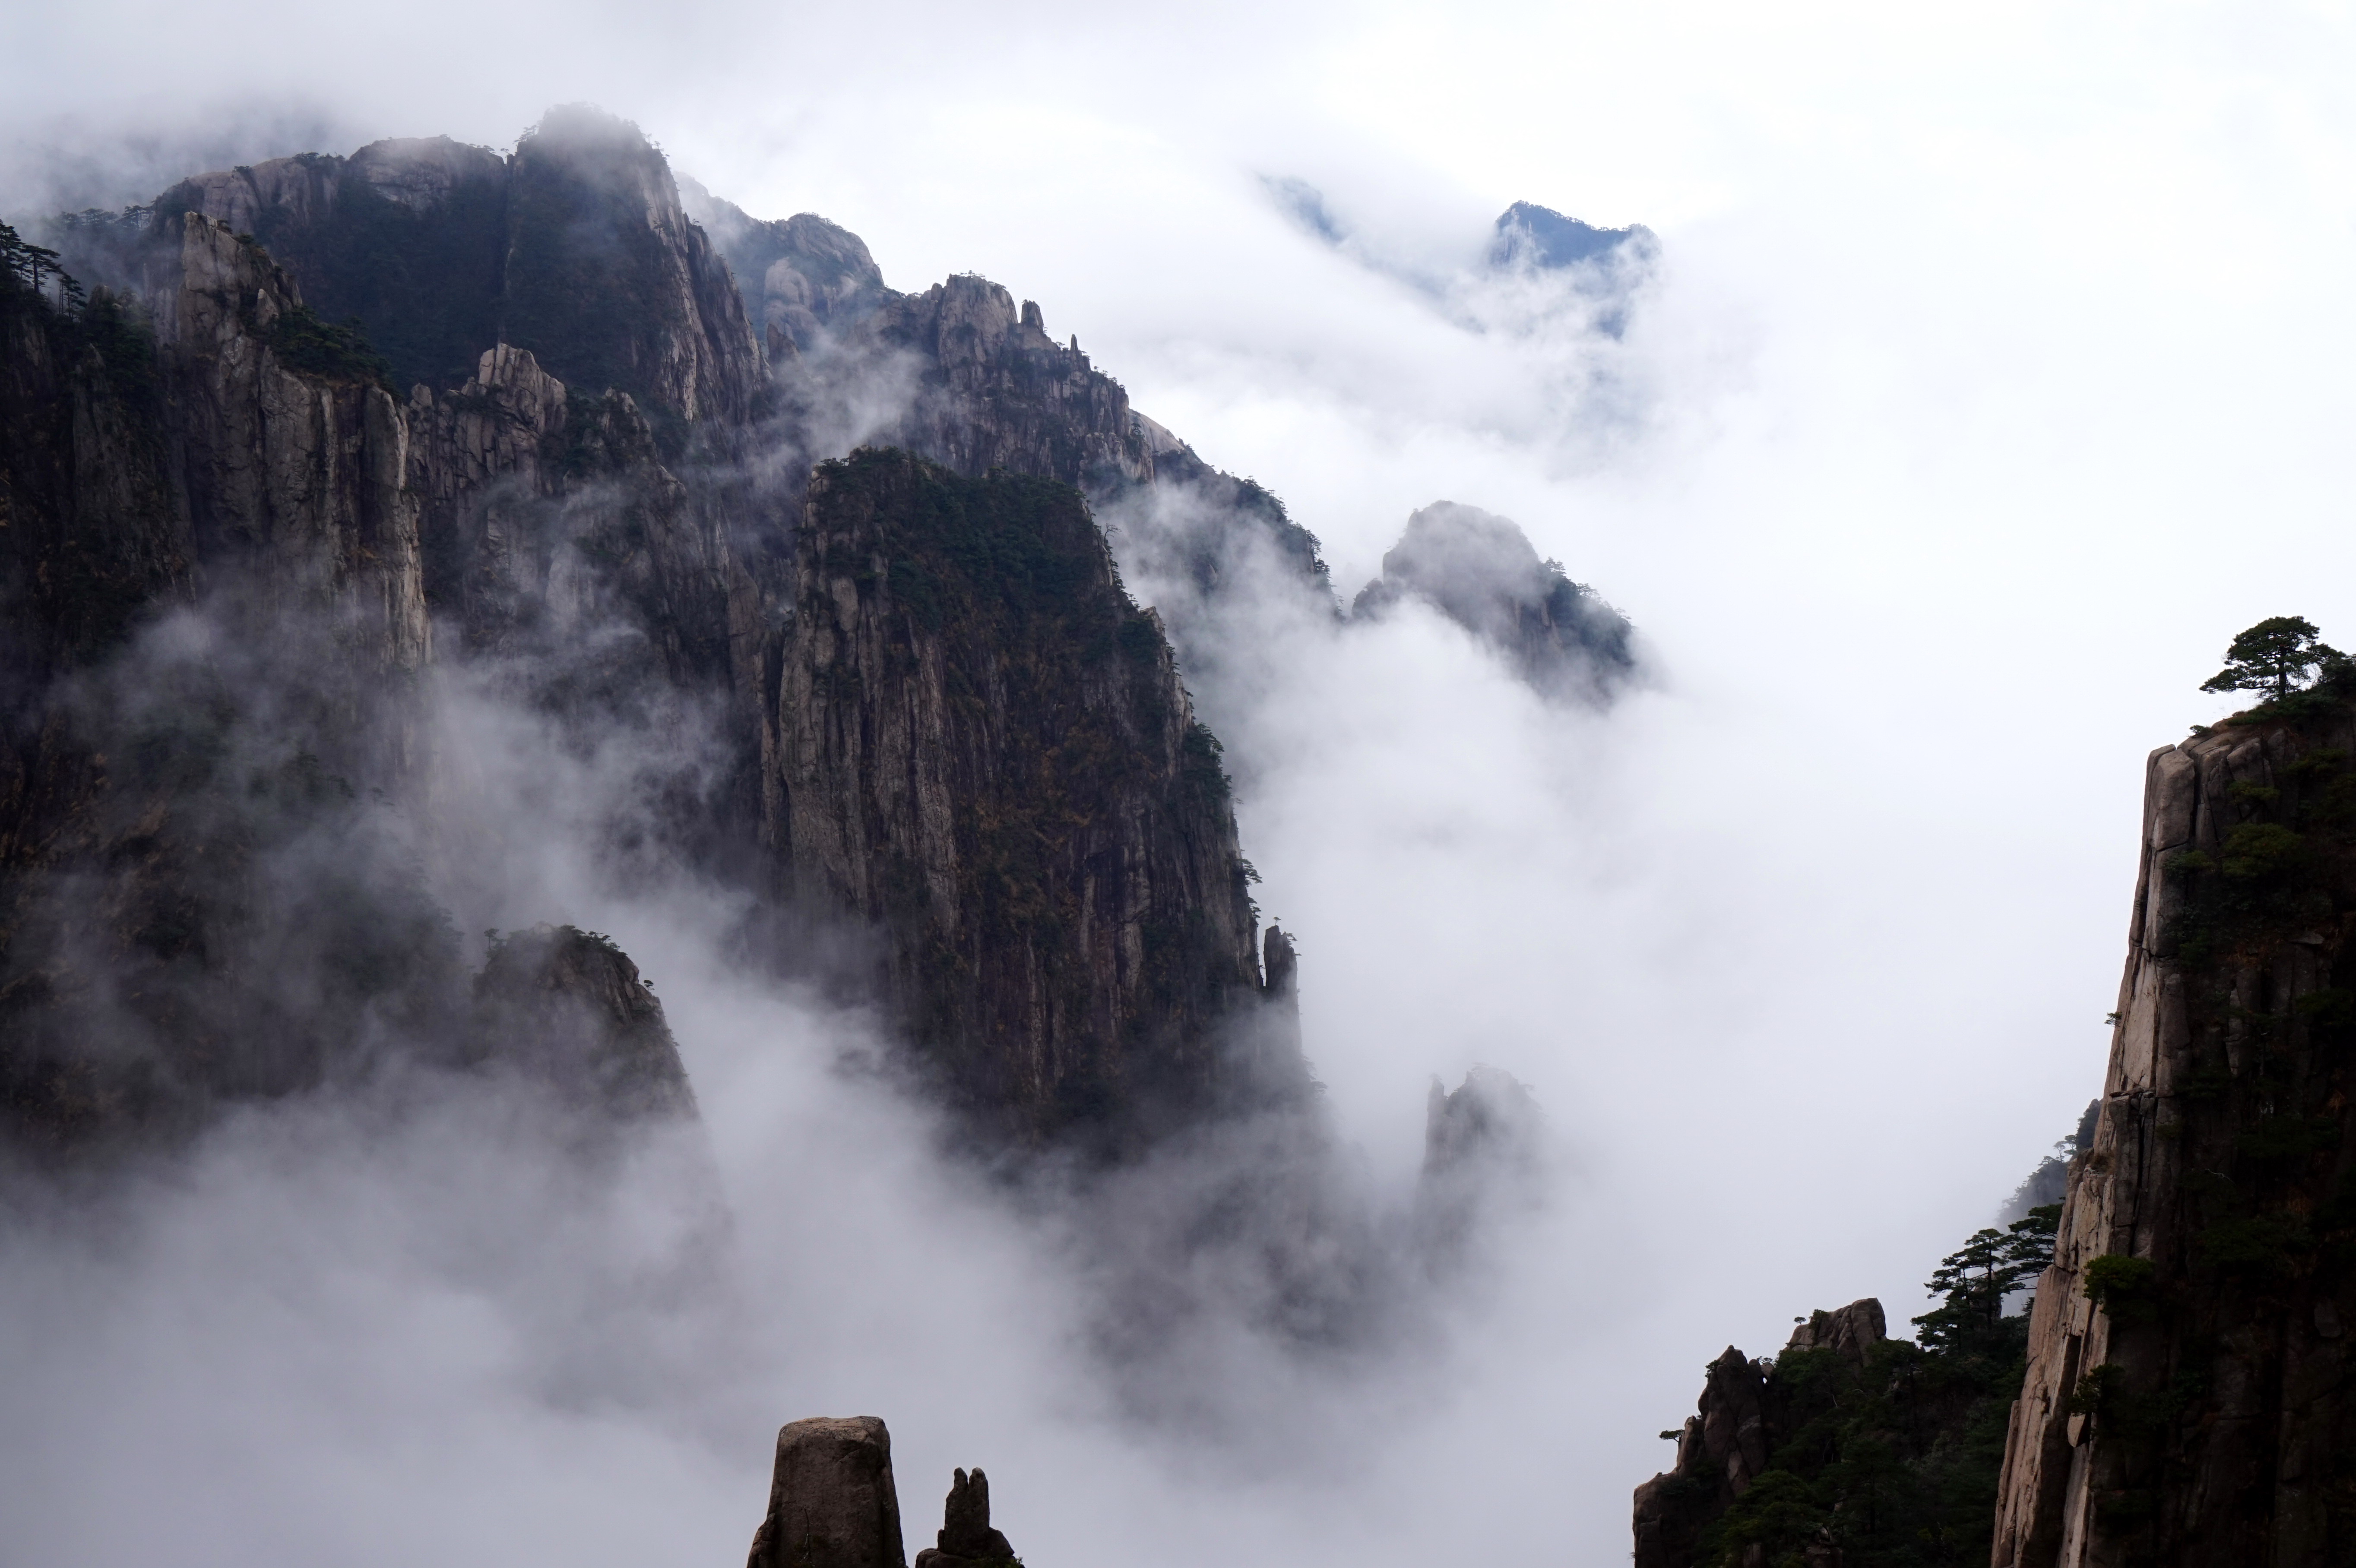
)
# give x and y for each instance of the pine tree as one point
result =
(2275, 657)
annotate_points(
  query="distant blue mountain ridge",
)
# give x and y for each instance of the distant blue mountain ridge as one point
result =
(1531, 235)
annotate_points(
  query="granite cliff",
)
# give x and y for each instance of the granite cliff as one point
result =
(595, 488)
(2188, 1396)
(978, 743)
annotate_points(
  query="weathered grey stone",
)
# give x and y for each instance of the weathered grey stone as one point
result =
(2204, 1419)
(966, 1539)
(831, 1502)
(1480, 571)
(1853, 1330)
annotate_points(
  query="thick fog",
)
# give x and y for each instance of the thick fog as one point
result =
(1992, 374)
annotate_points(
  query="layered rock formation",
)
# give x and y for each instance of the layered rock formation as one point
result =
(1479, 571)
(2187, 1398)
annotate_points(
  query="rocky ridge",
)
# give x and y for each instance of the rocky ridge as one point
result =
(604, 507)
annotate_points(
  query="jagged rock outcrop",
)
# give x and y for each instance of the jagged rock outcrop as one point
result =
(597, 508)
(575, 248)
(209, 892)
(977, 742)
(803, 278)
(1479, 571)
(1852, 1332)
(1481, 1156)
(1722, 1448)
(1528, 235)
(832, 1500)
(2189, 1399)
(998, 392)
(1756, 1420)
(567, 1009)
(292, 467)
(965, 1538)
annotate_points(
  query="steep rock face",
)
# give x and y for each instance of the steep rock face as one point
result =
(632, 545)
(980, 743)
(576, 248)
(206, 894)
(802, 277)
(2187, 1398)
(1479, 571)
(550, 519)
(295, 477)
(89, 531)
(832, 1500)
(999, 393)
(407, 236)
(568, 1010)
(1722, 1448)
(486, 468)
(611, 285)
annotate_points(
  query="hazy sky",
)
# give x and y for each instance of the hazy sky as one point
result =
(1997, 372)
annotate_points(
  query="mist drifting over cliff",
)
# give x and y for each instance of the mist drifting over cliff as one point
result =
(1973, 340)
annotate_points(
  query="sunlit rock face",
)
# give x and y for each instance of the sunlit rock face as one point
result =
(2187, 1398)
(1480, 571)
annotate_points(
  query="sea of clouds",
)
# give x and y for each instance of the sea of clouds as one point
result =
(1991, 377)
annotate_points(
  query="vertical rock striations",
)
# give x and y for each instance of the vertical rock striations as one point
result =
(937, 710)
(978, 742)
(2189, 1399)
(291, 458)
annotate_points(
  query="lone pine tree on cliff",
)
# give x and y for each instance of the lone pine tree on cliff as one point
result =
(2275, 656)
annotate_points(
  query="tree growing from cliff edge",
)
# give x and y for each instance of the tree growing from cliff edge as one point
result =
(2277, 656)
